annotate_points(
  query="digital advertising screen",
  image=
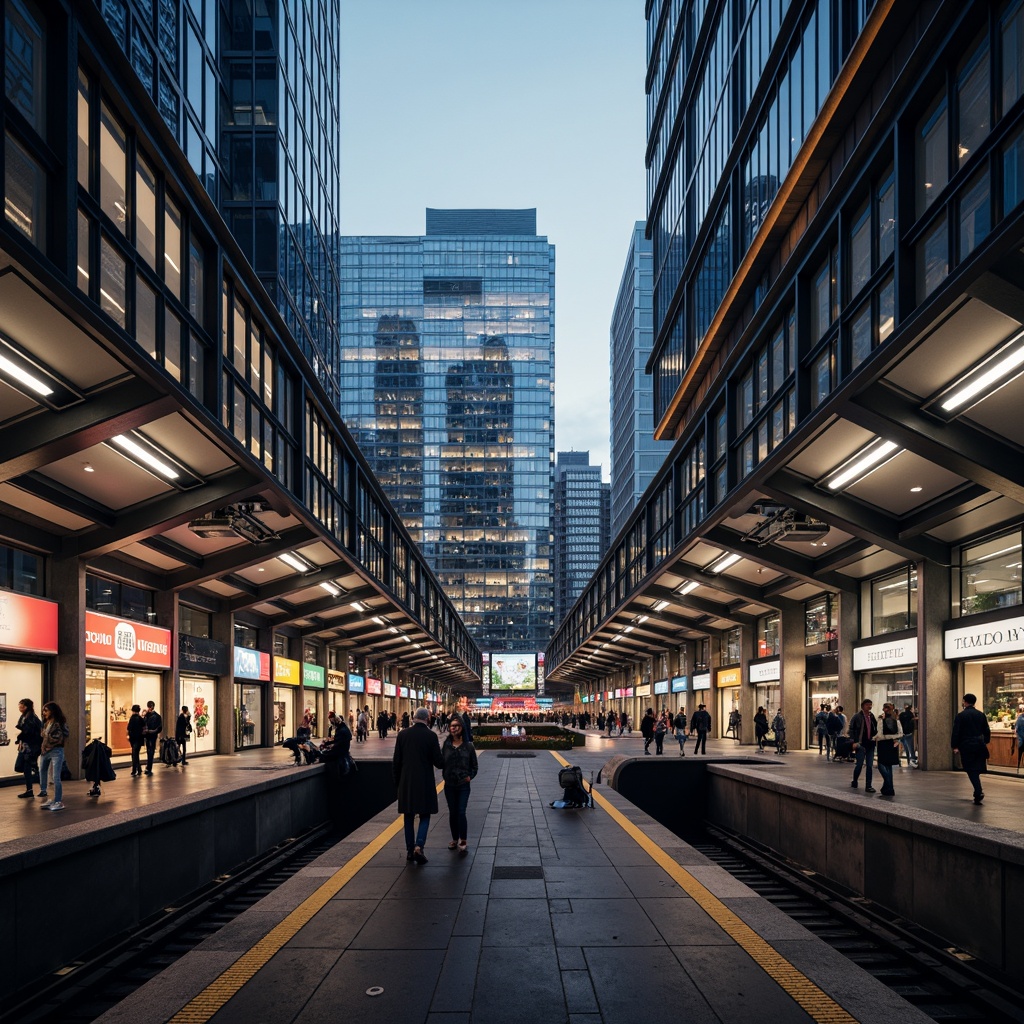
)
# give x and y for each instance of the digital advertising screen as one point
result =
(513, 673)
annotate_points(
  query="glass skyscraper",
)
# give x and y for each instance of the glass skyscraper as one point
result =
(250, 91)
(636, 456)
(581, 526)
(447, 384)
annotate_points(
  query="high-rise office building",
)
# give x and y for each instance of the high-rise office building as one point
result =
(581, 526)
(447, 374)
(250, 91)
(635, 455)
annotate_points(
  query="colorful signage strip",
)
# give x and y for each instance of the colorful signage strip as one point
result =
(314, 677)
(885, 655)
(702, 681)
(287, 672)
(729, 677)
(765, 671)
(1003, 637)
(679, 684)
(27, 623)
(250, 664)
(335, 679)
(121, 642)
(356, 684)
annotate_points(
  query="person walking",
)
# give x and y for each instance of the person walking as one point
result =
(460, 768)
(888, 747)
(152, 726)
(611, 723)
(834, 726)
(660, 728)
(647, 729)
(136, 728)
(760, 728)
(182, 731)
(29, 740)
(417, 753)
(701, 723)
(96, 764)
(908, 722)
(679, 727)
(863, 733)
(54, 734)
(969, 739)
(821, 731)
(779, 728)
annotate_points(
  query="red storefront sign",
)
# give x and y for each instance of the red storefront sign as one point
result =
(110, 639)
(27, 623)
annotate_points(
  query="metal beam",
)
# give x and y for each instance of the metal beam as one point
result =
(43, 439)
(964, 499)
(151, 518)
(54, 493)
(854, 517)
(171, 549)
(957, 446)
(285, 585)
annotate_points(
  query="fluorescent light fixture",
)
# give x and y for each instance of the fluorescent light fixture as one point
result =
(22, 376)
(643, 618)
(393, 629)
(688, 588)
(379, 620)
(148, 458)
(660, 606)
(358, 605)
(298, 563)
(629, 629)
(331, 589)
(724, 562)
(616, 638)
(407, 639)
(864, 462)
(987, 377)
(1001, 551)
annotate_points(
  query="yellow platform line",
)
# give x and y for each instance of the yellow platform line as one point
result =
(804, 992)
(203, 1006)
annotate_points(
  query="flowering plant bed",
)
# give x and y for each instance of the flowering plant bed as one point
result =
(559, 740)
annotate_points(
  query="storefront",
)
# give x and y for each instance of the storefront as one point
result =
(885, 672)
(252, 675)
(200, 662)
(284, 708)
(374, 697)
(765, 675)
(28, 636)
(314, 689)
(124, 662)
(991, 666)
(678, 686)
(727, 682)
(822, 673)
(357, 693)
(336, 693)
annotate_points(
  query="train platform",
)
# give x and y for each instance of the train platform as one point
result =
(593, 916)
(941, 793)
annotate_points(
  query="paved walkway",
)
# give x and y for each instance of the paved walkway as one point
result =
(581, 917)
(941, 792)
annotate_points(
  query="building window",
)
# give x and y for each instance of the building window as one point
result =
(20, 571)
(990, 574)
(822, 376)
(246, 636)
(932, 259)
(25, 64)
(1012, 32)
(894, 602)
(732, 648)
(193, 622)
(932, 155)
(1013, 172)
(820, 624)
(886, 309)
(975, 218)
(113, 298)
(860, 336)
(172, 248)
(767, 635)
(823, 298)
(860, 250)
(113, 169)
(120, 599)
(973, 122)
(145, 212)
(24, 192)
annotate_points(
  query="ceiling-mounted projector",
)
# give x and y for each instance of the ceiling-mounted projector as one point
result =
(240, 520)
(782, 525)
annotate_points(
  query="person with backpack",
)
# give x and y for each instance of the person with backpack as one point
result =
(152, 726)
(833, 728)
(679, 726)
(54, 735)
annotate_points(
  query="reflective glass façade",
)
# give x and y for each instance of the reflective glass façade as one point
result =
(447, 374)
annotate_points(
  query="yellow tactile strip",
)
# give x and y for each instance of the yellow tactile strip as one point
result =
(793, 982)
(203, 1006)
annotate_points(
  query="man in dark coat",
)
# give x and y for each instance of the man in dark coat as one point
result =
(136, 724)
(971, 735)
(647, 729)
(96, 763)
(417, 754)
(864, 733)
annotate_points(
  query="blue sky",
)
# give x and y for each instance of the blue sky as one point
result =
(507, 103)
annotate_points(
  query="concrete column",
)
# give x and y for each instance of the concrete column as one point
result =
(936, 681)
(849, 619)
(67, 588)
(224, 632)
(165, 604)
(793, 659)
(746, 702)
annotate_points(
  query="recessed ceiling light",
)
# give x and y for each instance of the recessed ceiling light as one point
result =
(915, 490)
(88, 467)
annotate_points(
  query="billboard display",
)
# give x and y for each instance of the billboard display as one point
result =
(513, 672)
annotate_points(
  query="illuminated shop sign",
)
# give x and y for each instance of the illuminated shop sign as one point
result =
(702, 681)
(679, 684)
(887, 655)
(314, 677)
(27, 623)
(286, 671)
(136, 643)
(765, 671)
(1002, 637)
(250, 664)
(729, 677)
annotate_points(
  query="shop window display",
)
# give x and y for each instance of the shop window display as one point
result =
(199, 695)
(109, 696)
(18, 680)
(248, 715)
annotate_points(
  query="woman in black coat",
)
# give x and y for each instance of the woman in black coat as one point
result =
(96, 763)
(417, 754)
(182, 731)
(460, 768)
(29, 740)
